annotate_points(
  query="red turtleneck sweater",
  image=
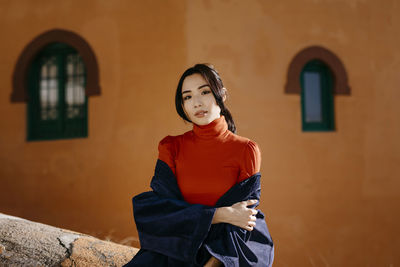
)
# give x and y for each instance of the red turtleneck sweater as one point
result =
(209, 160)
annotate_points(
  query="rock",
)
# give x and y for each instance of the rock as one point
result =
(27, 243)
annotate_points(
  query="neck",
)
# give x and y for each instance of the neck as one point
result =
(215, 129)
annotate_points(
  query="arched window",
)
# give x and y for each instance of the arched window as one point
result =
(317, 74)
(57, 106)
(56, 73)
(317, 97)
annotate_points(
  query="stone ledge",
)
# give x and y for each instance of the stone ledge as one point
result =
(27, 243)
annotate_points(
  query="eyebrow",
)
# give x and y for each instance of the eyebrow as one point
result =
(188, 91)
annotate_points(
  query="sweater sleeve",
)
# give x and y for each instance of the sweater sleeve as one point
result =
(167, 151)
(251, 162)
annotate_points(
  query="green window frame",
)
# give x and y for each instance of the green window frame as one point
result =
(58, 104)
(317, 97)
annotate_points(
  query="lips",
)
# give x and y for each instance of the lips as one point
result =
(200, 113)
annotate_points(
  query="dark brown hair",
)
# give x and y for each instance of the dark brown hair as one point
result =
(213, 79)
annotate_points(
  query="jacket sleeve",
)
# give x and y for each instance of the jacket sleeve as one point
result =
(166, 223)
(234, 246)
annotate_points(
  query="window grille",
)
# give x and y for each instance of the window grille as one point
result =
(57, 106)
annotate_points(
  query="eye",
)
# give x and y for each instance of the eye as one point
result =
(206, 92)
(186, 97)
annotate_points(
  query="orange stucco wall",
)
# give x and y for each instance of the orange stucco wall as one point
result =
(331, 198)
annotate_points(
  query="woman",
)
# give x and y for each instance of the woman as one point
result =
(206, 185)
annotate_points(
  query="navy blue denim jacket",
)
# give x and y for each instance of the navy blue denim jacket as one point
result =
(173, 232)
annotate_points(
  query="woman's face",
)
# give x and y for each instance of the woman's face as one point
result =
(198, 100)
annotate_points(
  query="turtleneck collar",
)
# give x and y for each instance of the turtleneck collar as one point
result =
(216, 128)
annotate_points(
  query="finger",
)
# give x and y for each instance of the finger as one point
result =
(251, 212)
(253, 218)
(244, 203)
(249, 228)
(239, 204)
(251, 202)
(251, 223)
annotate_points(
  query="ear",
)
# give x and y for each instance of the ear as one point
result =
(224, 94)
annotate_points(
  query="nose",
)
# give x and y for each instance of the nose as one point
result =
(197, 102)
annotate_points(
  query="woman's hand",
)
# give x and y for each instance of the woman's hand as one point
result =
(238, 214)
